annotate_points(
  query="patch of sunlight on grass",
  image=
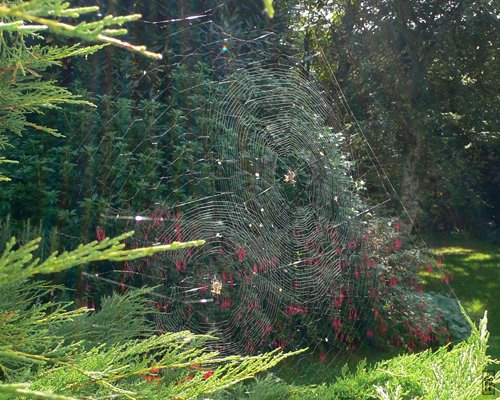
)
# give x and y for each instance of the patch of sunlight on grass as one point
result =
(431, 275)
(457, 268)
(479, 257)
(475, 306)
(452, 250)
(475, 267)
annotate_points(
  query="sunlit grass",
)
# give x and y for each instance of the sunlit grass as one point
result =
(475, 267)
(452, 250)
(476, 306)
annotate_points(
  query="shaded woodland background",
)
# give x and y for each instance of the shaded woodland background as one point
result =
(421, 79)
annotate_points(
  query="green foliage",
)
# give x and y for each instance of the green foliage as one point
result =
(421, 79)
(25, 321)
(117, 369)
(447, 373)
(110, 353)
(19, 264)
(44, 12)
(268, 4)
(24, 91)
(130, 310)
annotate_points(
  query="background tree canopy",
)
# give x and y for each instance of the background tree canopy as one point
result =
(420, 78)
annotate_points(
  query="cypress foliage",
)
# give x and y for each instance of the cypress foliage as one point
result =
(24, 90)
(47, 347)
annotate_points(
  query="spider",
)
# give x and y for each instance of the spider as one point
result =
(290, 177)
(216, 285)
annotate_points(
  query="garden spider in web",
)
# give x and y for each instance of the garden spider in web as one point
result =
(290, 177)
(216, 285)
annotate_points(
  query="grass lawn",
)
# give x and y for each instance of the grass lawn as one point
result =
(475, 267)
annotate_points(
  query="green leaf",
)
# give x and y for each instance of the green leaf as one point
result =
(268, 4)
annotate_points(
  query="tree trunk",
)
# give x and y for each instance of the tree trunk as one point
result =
(413, 91)
(411, 179)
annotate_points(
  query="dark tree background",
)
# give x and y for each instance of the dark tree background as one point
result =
(420, 77)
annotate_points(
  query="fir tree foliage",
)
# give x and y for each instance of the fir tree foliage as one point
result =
(130, 310)
(22, 62)
(43, 15)
(48, 347)
(23, 90)
(25, 320)
(19, 264)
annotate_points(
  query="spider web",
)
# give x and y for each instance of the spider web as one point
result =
(269, 182)
(278, 208)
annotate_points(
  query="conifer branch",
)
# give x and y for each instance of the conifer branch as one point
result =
(42, 13)
(22, 389)
(18, 264)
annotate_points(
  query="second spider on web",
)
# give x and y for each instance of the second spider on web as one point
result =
(290, 177)
(216, 285)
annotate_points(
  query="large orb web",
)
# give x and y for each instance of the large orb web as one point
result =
(279, 215)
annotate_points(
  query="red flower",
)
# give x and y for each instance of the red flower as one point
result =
(100, 234)
(241, 254)
(226, 303)
(177, 231)
(337, 323)
(339, 300)
(188, 378)
(411, 347)
(208, 374)
(322, 357)
(180, 265)
(393, 282)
